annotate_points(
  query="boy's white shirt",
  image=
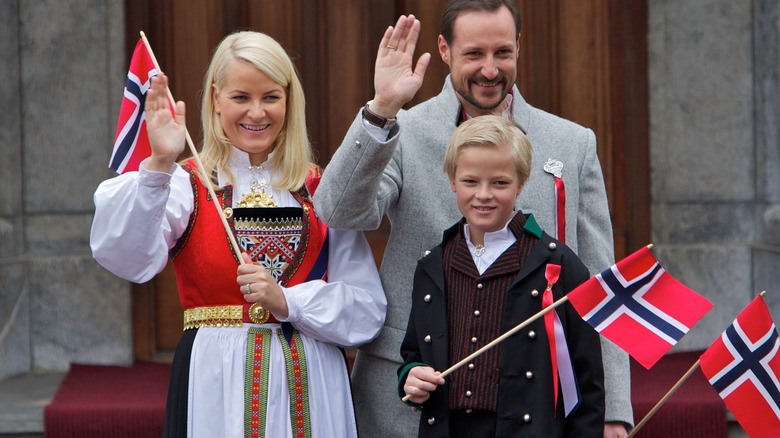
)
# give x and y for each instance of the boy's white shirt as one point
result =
(496, 242)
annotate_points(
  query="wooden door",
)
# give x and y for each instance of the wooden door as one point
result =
(583, 60)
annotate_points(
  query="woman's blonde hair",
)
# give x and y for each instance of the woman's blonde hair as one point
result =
(490, 132)
(292, 151)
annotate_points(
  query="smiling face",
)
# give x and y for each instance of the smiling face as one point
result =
(482, 58)
(251, 109)
(486, 186)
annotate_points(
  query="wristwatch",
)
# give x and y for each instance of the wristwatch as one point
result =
(377, 120)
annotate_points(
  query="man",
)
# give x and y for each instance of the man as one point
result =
(394, 167)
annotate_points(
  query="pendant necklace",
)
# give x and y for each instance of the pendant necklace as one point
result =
(479, 250)
(257, 197)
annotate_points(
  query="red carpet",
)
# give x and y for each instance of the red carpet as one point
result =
(695, 409)
(129, 402)
(109, 401)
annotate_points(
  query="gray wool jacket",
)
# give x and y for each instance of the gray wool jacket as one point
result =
(403, 178)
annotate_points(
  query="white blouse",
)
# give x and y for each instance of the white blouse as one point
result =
(140, 215)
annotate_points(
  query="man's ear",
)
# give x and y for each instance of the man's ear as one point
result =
(444, 50)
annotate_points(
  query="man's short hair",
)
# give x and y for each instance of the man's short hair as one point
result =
(456, 7)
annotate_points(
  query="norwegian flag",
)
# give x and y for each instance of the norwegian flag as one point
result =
(639, 306)
(743, 366)
(131, 145)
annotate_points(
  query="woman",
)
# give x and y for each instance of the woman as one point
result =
(260, 351)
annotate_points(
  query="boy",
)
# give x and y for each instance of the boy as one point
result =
(489, 274)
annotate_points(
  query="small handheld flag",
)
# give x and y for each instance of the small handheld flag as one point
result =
(639, 306)
(743, 365)
(131, 145)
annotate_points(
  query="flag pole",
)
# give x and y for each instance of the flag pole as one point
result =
(664, 399)
(498, 340)
(204, 178)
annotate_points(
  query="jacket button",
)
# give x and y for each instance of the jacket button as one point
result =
(468, 393)
(526, 418)
(532, 334)
(432, 420)
(471, 366)
(427, 339)
(534, 293)
(357, 145)
(552, 246)
(427, 298)
(479, 286)
(529, 375)
(474, 340)
(476, 313)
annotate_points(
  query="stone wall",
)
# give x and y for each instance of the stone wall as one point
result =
(62, 75)
(715, 179)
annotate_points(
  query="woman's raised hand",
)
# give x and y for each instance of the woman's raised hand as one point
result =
(166, 130)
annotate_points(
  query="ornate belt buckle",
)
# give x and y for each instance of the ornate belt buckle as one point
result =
(258, 315)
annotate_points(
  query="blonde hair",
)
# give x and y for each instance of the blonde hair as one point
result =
(292, 151)
(494, 132)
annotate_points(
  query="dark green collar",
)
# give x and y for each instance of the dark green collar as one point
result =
(531, 226)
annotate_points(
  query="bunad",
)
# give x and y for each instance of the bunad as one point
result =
(456, 310)
(240, 371)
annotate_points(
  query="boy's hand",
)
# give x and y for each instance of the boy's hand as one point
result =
(420, 382)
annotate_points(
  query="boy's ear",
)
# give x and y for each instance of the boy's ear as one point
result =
(452, 184)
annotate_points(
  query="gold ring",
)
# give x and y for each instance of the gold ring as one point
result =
(391, 47)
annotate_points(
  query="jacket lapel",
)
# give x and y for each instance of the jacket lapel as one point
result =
(540, 253)
(432, 267)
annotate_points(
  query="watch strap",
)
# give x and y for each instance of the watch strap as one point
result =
(377, 120)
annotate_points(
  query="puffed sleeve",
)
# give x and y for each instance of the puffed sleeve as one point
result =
(138, 218)
(349, 309)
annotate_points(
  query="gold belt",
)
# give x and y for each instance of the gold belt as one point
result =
(226, 316)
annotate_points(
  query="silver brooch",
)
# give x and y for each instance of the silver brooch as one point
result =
(554, 167)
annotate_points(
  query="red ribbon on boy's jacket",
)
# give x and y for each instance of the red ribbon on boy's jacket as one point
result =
(562, 367)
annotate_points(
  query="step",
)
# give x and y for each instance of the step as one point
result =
(22, 400)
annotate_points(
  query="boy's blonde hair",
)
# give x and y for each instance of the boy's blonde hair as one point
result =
(292, 151)
(490, 132)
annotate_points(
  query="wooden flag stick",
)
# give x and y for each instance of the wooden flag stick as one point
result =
(204, 178)
(664, 399)
(498, 340)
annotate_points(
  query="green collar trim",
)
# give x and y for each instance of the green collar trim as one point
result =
(531, 226)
